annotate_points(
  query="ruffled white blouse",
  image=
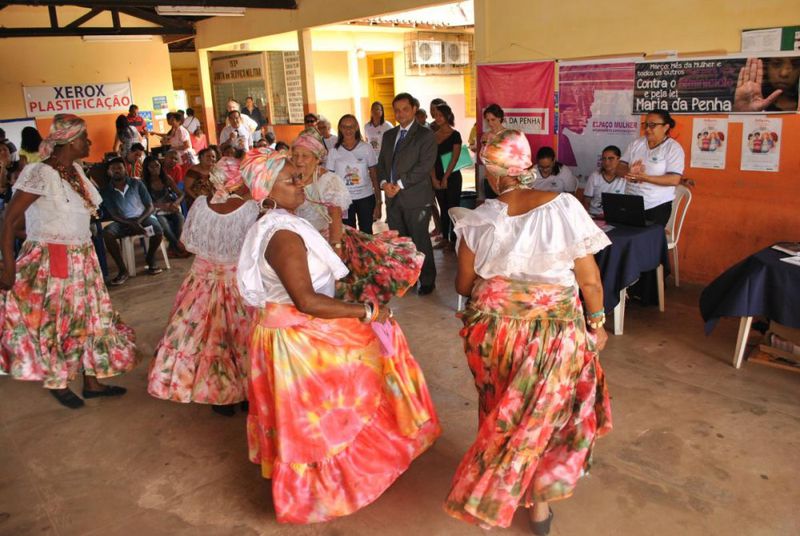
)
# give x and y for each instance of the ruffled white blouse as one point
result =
(539, 246)
(59, 215)
(258, 282)
(328, 190)
(217, 237)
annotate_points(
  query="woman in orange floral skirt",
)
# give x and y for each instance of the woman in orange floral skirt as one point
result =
(338, 406)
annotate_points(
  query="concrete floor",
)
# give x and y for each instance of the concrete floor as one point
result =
(698, 448)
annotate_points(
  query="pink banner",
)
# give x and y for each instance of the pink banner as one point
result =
(594, 103)
(526, 93)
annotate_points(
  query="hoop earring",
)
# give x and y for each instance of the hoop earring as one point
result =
(264, 208)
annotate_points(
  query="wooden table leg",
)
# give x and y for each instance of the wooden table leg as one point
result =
(741, 340)
(619, 313)
(660, 285)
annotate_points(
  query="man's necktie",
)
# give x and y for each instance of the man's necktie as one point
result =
(394, 162)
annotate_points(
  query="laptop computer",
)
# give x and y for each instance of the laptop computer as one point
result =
(625, 209)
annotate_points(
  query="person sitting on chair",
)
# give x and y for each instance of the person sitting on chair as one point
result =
(129, 205)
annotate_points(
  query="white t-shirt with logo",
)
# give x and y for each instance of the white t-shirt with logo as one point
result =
(353, 167)
(666, 158)
(596, 186)
(375, 134)
(563, 181)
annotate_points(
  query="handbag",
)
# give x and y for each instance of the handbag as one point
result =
(464, 159)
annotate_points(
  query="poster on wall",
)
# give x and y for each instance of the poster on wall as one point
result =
(595, 101)
(81, 99)
(709, 143)
(147, 115)
(719, 85)
(761, 143)
(294, 86)
(160, 104)
(530, 110)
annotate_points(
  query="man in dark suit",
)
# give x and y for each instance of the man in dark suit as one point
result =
(408, 154)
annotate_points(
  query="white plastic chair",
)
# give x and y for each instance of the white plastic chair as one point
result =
(683, 197)
(129, 254)
(455, 214)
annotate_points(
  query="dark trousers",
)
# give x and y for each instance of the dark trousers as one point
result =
(447, 199)
(647, 287)
(659, 214)
(414, 223)
(363, 210)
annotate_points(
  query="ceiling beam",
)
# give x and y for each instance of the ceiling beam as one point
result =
(149, 16)
(84, 18)
(78, 32)
(268, 4)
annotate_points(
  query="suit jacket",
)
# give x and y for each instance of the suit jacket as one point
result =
(414, 159)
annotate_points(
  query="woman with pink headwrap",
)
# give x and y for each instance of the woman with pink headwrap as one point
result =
(542, 399)
(202, 356)
(380, 266)
(56, 318)
(338, 406)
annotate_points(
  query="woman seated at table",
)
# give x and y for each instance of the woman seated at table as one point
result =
(653, 166)
(338, 406)
(603, 181)
(553, 175)
(542, 399)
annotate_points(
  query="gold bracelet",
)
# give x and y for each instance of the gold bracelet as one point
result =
(375, 311)
(367, 312)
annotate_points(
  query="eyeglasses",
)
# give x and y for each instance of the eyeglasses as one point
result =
(310, 121)
(651, 124)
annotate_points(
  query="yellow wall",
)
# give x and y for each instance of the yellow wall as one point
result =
(184, 60)
(69, 60)
(334, 94)
(309, 14)
(543, 29)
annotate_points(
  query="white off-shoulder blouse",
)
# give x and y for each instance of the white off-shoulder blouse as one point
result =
(258, 282)
(217, 237)
(539, 246)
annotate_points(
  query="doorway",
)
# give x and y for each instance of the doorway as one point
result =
(380, 68)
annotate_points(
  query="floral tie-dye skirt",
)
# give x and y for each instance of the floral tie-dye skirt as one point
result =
(202, 356)
(333, 422)
(54, 326)
(381, 266)
(542, 395)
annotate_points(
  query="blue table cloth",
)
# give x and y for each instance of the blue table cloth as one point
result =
(633, 251)
(760, 285)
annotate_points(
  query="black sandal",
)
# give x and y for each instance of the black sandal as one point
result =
(67, 398)
(110, 390)
(541, 528)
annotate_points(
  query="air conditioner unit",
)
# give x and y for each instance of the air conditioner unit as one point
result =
(456, 53)
(426, 52)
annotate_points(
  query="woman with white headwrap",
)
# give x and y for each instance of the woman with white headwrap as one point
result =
(202, 356)
(338, 406)
(542, 399)
(56, 318)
